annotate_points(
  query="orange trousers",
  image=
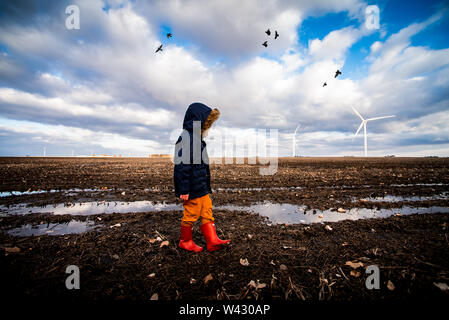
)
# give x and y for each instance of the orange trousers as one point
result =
(196, 208)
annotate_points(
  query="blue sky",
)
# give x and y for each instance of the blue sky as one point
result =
(102, 89)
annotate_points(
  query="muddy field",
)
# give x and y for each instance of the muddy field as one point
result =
(123, 255)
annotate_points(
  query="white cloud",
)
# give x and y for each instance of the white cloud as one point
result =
(130, 113)
(80, 138)
(119, 81)
(335, 44)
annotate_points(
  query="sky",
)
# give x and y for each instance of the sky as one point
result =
(103, 89)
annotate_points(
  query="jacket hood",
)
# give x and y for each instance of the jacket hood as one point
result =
(195, 112)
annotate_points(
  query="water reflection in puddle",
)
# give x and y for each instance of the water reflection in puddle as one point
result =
(69, 192)
(90, 208)
(72, 227)
(276, 213)
(291, 214)
(75, 191)
(24, 193)
(391, 198)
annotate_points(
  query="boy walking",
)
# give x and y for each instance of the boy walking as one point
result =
(192, 178)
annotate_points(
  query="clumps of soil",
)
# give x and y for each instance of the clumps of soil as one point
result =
(128, 258)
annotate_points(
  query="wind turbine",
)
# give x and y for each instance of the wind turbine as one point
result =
(364, 122)
(294, 141)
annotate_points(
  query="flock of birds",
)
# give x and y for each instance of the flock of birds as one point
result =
(265, 44)
(337, 73)
(169, 35)
(268, 32)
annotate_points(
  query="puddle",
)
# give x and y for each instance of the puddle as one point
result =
(420, 185)
(67, 191)
(291, 214)
(390, 198)
(90, 208)
(256, 189)
(72, 227)
(75, 191)
(276, 213)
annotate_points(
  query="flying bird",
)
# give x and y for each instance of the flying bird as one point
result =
(268, 32)
(337, 73)
(265, 44)
(159, 49)
(169, 35)
(276, 35)
(325, 84)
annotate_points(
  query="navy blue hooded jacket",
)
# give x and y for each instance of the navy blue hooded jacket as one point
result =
(191, 172)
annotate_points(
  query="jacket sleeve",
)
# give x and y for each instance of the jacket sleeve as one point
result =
(183, 176)
(183, 171)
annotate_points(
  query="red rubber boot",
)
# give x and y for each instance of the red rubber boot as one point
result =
(186, 241)
(209, 233)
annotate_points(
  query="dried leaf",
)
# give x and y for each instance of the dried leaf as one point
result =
(355, 273)
(253, 284)
(250, 236)
(123, 193)
(390, 285)
(244, 262)
(154, 297)
(441, 286)
(283, 267)
(260, 285)
(164, 243)
(152, 240)
(354, 265)
(12, 250)
(151, 275)
(208, 278)
(320, 216)
(115, 256)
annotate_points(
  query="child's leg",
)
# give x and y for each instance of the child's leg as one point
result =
(206, 209)
(192, 211)
(207, 226)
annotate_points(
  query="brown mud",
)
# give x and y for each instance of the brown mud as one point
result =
(118, 262)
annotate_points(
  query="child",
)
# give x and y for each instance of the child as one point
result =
(192, 178)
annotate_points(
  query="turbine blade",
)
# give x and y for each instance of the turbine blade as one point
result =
(377, 118)
(360, 127)
(297, 128)
(357, 113)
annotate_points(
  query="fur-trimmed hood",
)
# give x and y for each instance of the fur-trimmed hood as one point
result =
(195, 112)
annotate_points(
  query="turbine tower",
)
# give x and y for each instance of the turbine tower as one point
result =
(294, 141)
(364, 122)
